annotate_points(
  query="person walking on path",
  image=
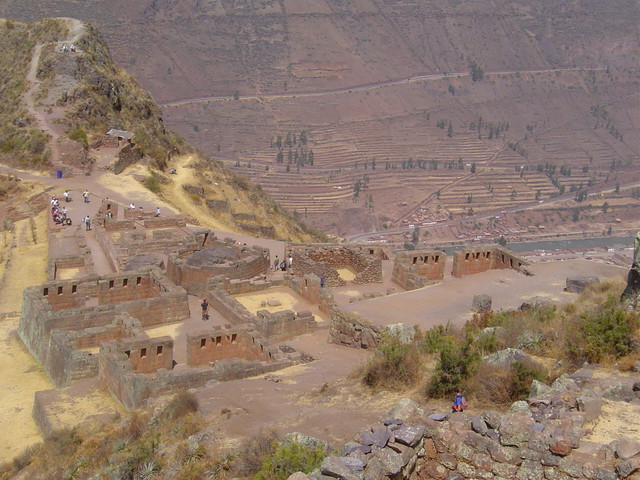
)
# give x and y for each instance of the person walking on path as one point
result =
(205, 309)
(322, 281)
(276, 264)
(87, 222)
(85, 195)
(290, 262)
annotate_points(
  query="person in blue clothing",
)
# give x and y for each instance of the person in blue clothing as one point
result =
(458, 403)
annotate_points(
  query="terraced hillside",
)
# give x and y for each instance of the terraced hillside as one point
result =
(538, 98)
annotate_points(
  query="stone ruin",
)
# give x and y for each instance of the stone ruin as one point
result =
(469, 261)
(192, 265)
(540, 438)
(95, 326)
(416, 268)
(325, 259)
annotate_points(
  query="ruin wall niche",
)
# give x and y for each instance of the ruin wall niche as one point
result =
(415, 269)
(219, 344)
(353, 330)
(127, 286)
(469, 261)
(243, 263)
(283, 325)
(65, 294)
(326, 259)
(146, 355)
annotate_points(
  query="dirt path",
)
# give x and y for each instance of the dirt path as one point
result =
(366, 86)
(75, 30)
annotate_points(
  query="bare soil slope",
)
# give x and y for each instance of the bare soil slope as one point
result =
(556, 110)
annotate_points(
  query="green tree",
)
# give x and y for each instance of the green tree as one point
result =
(605, 207)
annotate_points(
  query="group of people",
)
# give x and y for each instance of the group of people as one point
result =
(68, 48)
(59, 214)
(282, 265)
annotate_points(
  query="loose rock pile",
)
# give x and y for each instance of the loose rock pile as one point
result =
(535, 439)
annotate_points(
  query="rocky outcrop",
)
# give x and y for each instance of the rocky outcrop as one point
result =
(535, 440)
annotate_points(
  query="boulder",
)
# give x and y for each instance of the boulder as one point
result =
(561, 446)
(405, 409)
(538, 389)
(536, 303)
(409, 435)
(504, 358)
(379, 437)
(306, 441)
(344, 468)
(515, 429)
(404, 333)
(590, 405)
(481, 303)
(627, 467)
(439, 417)
(578, 284)
(627, 448)
(521, 406)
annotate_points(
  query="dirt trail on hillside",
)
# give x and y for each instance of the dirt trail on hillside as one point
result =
(75, 30)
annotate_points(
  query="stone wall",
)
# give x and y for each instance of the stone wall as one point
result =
(535, 440)
(132, 390)
(415, 269)
(326, 259)
(127, 156)
(210, 346)
(232, 310)
(165, 222)
(469, 261)
(145, 355)
(75, 306)
(250, 262)
(353, 330)
(283, 325)
(309, 288)
(67, 361)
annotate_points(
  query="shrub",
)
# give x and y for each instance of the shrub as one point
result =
(457, 362)
(435, 339)
(256, 450)
(78, 135)
(393, 364)
(182, 404)
(503, 385)
(288, 458)
(602, 332)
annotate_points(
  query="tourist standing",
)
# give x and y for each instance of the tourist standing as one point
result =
(85, 196)
(276, 263)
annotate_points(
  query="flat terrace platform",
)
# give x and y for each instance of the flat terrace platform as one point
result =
(450, 301)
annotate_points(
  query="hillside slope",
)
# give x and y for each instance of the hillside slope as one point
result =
(64, 92)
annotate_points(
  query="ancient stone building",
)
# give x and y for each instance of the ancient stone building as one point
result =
(416, 268)
(326, 259)
(469, 261)
(60, 318)
(193, 265)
